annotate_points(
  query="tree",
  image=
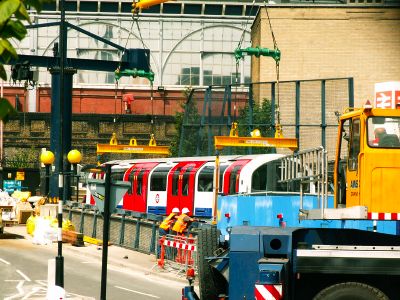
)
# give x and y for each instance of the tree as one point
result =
(262, 120)
(188, 118)
(12, 14)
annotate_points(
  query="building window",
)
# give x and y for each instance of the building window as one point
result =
(172, 8)
(234, 10)
(192, 9)
(70, 6)
(108, 7)
(49, 6)
(88, 6)
(152, 10)
(212, 9)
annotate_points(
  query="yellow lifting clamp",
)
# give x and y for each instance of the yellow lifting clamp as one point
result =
(133, 147)
(278, 131)
(113, 140)
(234, 130)
(256, 140)
(152, 141)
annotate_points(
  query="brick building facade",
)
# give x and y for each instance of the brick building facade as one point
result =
(362, 42)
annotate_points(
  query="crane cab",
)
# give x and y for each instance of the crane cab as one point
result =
(367, 163)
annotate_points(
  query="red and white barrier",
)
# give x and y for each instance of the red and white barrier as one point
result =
(179, 245)
(177, 250)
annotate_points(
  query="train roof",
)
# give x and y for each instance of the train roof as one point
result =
(129, 162)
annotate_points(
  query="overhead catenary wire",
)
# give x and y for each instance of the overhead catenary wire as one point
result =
(136, 20)
(277, 106)
(116, 81)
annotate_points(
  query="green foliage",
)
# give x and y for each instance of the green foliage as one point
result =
(6, 110)
(195, 138)
(12, 14)
(262, 120)
(191, 133)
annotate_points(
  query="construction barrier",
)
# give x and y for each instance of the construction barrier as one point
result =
(178, 253)
(136, 231)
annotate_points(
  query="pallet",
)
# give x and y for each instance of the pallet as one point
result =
(73, 237)
(8, 223)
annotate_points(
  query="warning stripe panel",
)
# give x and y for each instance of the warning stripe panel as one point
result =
(383, 216)
(268, 291)
(178, 245)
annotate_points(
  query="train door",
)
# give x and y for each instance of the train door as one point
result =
(231, 177)
(203, 195)
(137, 194)
(129, 197)
(157, 191)
(204, 191)
(181, 185)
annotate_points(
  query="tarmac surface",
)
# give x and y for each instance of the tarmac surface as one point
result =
(118, 257)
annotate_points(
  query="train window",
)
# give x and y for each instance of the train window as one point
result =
(206, 178)
(118, 175)
(259, 179)
(175, 181)
(221, 177)
(185, 181)
(130, 179)
(139, 184)
(158, 181)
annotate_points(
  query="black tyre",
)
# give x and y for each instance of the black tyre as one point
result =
(351, 291)
(207, 240)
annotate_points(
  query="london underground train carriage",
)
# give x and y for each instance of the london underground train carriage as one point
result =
(159, 185)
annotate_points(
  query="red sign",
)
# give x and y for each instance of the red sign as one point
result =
(396, 98)
(383, 99)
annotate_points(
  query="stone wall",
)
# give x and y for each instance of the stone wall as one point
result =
(32, 130)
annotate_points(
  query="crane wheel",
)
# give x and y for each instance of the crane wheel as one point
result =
(351, 291)
(207, 239)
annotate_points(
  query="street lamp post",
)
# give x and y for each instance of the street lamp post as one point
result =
(74, 157)
(47, 158)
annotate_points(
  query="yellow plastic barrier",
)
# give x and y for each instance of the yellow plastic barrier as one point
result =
(30, 225)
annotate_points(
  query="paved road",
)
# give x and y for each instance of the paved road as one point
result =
(24, 273)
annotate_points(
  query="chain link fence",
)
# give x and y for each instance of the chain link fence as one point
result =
(307, 110)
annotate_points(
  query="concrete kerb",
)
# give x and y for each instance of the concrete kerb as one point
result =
(119, 258)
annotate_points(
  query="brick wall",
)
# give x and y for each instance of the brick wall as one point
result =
(326, 42)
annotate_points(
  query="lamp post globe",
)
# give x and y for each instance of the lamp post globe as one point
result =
(47, 157)
(74, 157)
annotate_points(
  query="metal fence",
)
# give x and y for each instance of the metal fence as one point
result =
(307, 110)
(127, 229)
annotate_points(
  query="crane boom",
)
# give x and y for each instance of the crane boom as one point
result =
(144, 4)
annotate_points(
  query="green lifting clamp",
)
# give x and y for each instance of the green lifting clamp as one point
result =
(257, 52)
(134, 73)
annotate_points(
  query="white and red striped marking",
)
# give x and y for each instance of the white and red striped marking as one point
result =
(383, 216)
(268, 292)
(178, 245)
